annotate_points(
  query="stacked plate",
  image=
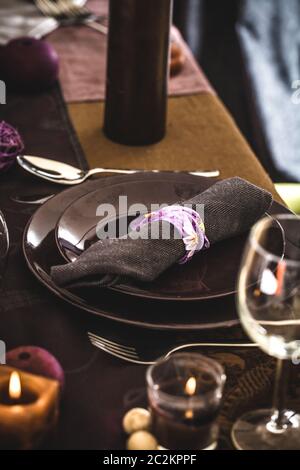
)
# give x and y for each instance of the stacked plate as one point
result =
(197, 295)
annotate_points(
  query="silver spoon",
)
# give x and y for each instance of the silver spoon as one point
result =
(62, 173)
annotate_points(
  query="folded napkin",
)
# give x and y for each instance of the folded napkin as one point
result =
(231, 207)
(22, 18)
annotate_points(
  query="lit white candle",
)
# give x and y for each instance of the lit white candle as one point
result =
(28, 408)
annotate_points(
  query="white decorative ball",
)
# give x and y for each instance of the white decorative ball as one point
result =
(137, 419)
(142, 440)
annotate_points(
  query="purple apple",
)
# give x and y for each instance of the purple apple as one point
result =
(28, 64)
(37, 361)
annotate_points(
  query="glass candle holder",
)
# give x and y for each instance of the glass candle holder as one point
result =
(185, 392)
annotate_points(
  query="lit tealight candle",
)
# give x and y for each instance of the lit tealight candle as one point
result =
(28, 408)
(185, 391)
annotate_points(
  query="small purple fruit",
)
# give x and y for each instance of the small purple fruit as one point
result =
(28, 64)
(37, 361)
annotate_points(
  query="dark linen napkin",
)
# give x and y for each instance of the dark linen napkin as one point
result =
(231, 207)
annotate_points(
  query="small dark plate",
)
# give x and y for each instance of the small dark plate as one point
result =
(41, 252)
(210, 274)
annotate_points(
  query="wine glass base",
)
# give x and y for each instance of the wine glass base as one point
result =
(255, 431)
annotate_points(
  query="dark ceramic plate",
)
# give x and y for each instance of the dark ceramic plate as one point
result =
(41, 252)
(210, 274)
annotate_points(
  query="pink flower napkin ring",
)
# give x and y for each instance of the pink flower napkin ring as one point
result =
(187, 222)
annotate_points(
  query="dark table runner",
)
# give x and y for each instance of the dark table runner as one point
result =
(98, 387)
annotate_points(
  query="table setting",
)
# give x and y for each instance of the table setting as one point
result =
(144, 266)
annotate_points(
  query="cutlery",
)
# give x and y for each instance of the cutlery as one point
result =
(147, 356)
(43, 28)
(31, 199)
(67, 12)
(4, 244)
(62, 173)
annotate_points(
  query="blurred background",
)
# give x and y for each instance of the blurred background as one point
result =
(250, 51)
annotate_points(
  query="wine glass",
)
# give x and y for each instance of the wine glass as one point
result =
(4, 245)
(269, 307)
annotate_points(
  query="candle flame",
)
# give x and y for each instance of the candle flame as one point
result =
(189, 414)
(190, 386)
(14, 386)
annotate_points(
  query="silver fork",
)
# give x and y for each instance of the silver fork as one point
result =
(66, 11)
(131, 353)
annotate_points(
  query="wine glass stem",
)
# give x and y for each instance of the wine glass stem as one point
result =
(279, 420)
